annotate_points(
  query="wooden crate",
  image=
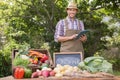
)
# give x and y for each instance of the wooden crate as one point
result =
(14, 52)
(33, 67)
(45, 52)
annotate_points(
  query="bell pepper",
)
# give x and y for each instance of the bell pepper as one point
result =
(44, 58)
(19, 73)
(34, 61)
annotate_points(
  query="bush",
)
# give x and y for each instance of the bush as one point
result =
(5, 65)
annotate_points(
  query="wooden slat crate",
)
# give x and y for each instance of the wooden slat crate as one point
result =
(33, 67)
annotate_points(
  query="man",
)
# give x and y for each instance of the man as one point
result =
(67, 30)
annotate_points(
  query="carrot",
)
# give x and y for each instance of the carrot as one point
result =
(35, 53)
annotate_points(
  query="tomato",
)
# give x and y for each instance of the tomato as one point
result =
(31, 60)
(35, 62)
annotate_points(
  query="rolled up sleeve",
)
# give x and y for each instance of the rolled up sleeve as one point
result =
(59, 31)
(82, 25)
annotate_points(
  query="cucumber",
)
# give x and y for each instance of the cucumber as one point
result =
(28, 73)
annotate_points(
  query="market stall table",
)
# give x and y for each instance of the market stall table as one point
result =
(69, 72)
(62, 78)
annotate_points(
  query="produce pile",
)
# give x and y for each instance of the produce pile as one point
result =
(96, 64)
(34, 64)
(31, 65)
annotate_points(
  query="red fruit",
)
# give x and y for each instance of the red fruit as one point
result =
(52, 73)
(16, 73)
(35, 62)
(44, 58)
(45, 73)
(31, 60)
(19, 73)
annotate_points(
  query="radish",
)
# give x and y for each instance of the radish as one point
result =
(34, 75)
(45, 73)
(39, 73)
(52, 73)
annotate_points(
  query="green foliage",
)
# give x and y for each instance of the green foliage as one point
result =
(112, 41)
(5, 58)
(24, 49)
(117, 73)
(21, 62)
(114, 26)
(5, 66)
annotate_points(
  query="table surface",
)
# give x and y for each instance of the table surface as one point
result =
(60, 78)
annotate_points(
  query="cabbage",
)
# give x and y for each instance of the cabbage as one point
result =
(95, 64)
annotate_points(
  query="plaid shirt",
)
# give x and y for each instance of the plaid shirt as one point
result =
(60, 29)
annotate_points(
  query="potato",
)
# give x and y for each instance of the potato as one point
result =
(58, 75)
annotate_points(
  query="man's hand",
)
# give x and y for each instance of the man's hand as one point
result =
(73, 36)
(83, 38)
(67, 38)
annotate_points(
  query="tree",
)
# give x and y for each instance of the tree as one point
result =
(112, 41)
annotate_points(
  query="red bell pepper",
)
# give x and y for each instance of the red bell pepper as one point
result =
(44, 58)
(19, 73)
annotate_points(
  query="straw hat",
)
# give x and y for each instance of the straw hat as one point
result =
(72, 5)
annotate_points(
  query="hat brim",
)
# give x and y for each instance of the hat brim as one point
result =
(72, 8)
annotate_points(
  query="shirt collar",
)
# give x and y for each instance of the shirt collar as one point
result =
(69, 19)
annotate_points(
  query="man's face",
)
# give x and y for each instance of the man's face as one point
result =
(71, 12)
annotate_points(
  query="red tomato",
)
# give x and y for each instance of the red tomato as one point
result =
(31, 60)
(35, 62)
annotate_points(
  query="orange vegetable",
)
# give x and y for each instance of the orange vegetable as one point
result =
(31, 60)
(34, 61)
(35, 53)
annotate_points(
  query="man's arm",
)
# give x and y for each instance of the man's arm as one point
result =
(66, 38)
(83, 38)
